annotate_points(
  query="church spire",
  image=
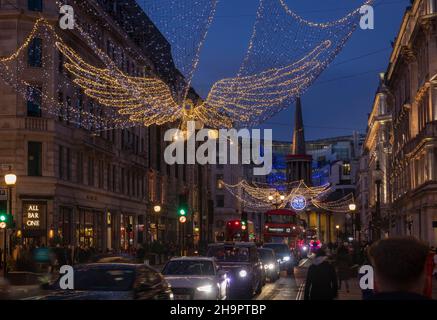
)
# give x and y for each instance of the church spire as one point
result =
(298, 147)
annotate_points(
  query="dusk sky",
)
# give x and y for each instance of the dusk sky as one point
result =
(332, 106)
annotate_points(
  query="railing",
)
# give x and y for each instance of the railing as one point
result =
(36, 124)
(430, 130)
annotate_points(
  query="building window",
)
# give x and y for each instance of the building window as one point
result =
(34, 100)
(61, 162)
(100, 174)
(68, 163)
(220, 201)
(34, 5)
(34, 53)
(346, 169)
(80, 167)
(34, 159)
(90, 171)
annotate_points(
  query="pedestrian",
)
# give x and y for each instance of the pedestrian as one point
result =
(399, 268)
(321, 281)
(344, 264)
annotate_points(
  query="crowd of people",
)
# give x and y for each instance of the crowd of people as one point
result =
(401, 269)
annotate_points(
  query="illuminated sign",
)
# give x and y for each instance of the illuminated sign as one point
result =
(279, 230)
(34, 215)
(298, 203)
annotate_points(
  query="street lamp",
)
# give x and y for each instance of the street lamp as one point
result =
(157, 208)
(352, 207)
(10, 180)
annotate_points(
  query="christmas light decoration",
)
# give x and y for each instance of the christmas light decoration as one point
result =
(261, 196)
(285, 56)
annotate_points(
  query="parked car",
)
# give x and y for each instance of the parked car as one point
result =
(196, 278)
(287, 260)
(245, 269)
(270, 262)
(111, 281)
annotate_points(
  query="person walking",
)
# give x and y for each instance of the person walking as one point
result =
(321, 281)
(344, 264)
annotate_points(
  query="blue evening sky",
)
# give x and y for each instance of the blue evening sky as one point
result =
(340, 100)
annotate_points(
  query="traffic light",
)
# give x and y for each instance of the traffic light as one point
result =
(182, 208)
(5, 220)
(244, 221)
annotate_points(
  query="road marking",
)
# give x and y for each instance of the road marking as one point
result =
(300, 292)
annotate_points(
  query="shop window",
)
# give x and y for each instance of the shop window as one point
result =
(34, 100)
(34, 159)
(34, 53)
(65, 225)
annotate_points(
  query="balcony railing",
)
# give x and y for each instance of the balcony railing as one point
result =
(36, 124)
(429, 131)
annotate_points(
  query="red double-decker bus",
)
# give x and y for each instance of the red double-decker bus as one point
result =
(282, 226)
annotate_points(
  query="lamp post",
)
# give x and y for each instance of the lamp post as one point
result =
(10, 180)
(337, 227)
(378, 180)
(352, 208)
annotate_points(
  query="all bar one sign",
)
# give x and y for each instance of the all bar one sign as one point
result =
(34, 215)
(32, 218)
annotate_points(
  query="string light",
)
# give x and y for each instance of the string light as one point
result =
(285, 56)
(259, 196)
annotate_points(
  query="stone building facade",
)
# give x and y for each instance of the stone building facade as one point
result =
(403, 136)
(93, 188)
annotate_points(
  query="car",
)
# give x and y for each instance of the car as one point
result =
(196, 278)
(21, 284)
(270, 262)
(110, 281)
(245, 269)
(286, 259)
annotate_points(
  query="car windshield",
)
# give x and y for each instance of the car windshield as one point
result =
(265, 254)
(278, 248)
(229, 254)
(99, 279)
(189, 268)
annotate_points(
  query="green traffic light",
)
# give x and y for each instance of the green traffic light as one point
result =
(2, 218)
(182, 212)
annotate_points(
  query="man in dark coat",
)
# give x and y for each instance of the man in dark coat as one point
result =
(321, 282)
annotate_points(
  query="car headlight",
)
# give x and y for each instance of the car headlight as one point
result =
(242, 273)
(206, 289)
(304, 248)
(271, 266)
(286, 258)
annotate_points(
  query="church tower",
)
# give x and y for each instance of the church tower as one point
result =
(298, 162)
